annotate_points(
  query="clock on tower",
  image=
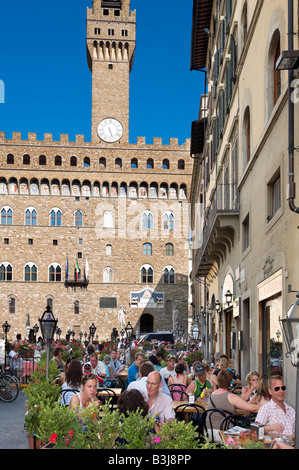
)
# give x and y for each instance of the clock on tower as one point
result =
(111, 35)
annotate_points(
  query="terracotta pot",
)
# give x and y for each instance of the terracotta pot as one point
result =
(27, 355)
(34, 443)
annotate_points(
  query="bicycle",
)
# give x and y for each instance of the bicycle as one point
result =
(9, 387)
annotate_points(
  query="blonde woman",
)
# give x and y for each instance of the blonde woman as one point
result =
(252, 379)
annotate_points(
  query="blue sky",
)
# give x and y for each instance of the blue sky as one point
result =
(48, 83)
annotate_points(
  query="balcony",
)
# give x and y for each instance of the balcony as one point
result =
(221, 225)
(74, 282)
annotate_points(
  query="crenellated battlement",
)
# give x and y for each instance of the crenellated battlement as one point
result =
(80, 141)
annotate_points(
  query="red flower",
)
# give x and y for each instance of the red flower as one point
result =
(71, 433)
(53, 438)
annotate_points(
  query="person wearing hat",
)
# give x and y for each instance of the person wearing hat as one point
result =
(200, 383)
(169, 370)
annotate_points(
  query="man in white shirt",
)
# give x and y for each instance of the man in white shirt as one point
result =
(97, 367)
(160, 404)
(169, 370)
(16, 362)
(145, 369)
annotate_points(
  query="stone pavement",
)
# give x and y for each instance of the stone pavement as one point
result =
(12, 432)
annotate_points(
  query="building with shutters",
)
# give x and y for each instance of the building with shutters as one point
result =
(244, 215)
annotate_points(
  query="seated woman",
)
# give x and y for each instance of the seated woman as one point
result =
(249, 390)
(225, 400)
(181, 378)
(87, 396)
(131, 400)
(58, 359)
(73, 379)
(262, 395)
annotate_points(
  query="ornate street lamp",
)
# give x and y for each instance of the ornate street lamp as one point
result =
(195, 331)
(290, 331)
(129, 331)
(218, 307)
(92, 330)
(229, 297)
(48, 326)
(5, 328)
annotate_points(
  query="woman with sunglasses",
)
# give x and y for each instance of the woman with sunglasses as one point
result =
(276, 415)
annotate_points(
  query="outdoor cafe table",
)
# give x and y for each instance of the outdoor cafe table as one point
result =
(105, 393)
(190, 409)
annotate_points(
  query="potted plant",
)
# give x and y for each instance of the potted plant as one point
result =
(24, 348)
(39, 392)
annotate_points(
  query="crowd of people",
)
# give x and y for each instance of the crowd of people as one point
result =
(154, 382)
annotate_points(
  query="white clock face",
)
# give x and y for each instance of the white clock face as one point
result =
(110, 130)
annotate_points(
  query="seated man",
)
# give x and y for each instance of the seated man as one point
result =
(115, 365)
(134, 368)
(276, 415)
(160, 404)
(201, 383)
(140, 384)
(169, 370)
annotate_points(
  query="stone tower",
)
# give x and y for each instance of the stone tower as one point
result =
(111, 35)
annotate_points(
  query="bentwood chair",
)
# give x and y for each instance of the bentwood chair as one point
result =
(66, 396)
(107, 395)
(208, 420)
(234, 420)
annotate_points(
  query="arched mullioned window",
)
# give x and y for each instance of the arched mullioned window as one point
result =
(168, 275)
(55, 272)
(78, 218)
(108, 274)
(30, 272)
(6, 215)
(147, 220)
(55, 217)
(146, 274)
(30, 216)
(5, 271)
(168, 221)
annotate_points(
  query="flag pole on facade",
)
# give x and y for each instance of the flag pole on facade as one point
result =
(86, 268)
(67, 268)
(77, 270)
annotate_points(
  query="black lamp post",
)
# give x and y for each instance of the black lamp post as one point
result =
(48, 326)
(129, 331)
(92, 330)
(290, 330)
(5, 328)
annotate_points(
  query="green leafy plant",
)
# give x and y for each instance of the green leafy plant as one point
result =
(59, 426)
(176, 435)
(101, 427)
(253, 445)
(134, 431)
(39, 393)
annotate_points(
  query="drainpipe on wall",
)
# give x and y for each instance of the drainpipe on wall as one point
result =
(292, 185)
